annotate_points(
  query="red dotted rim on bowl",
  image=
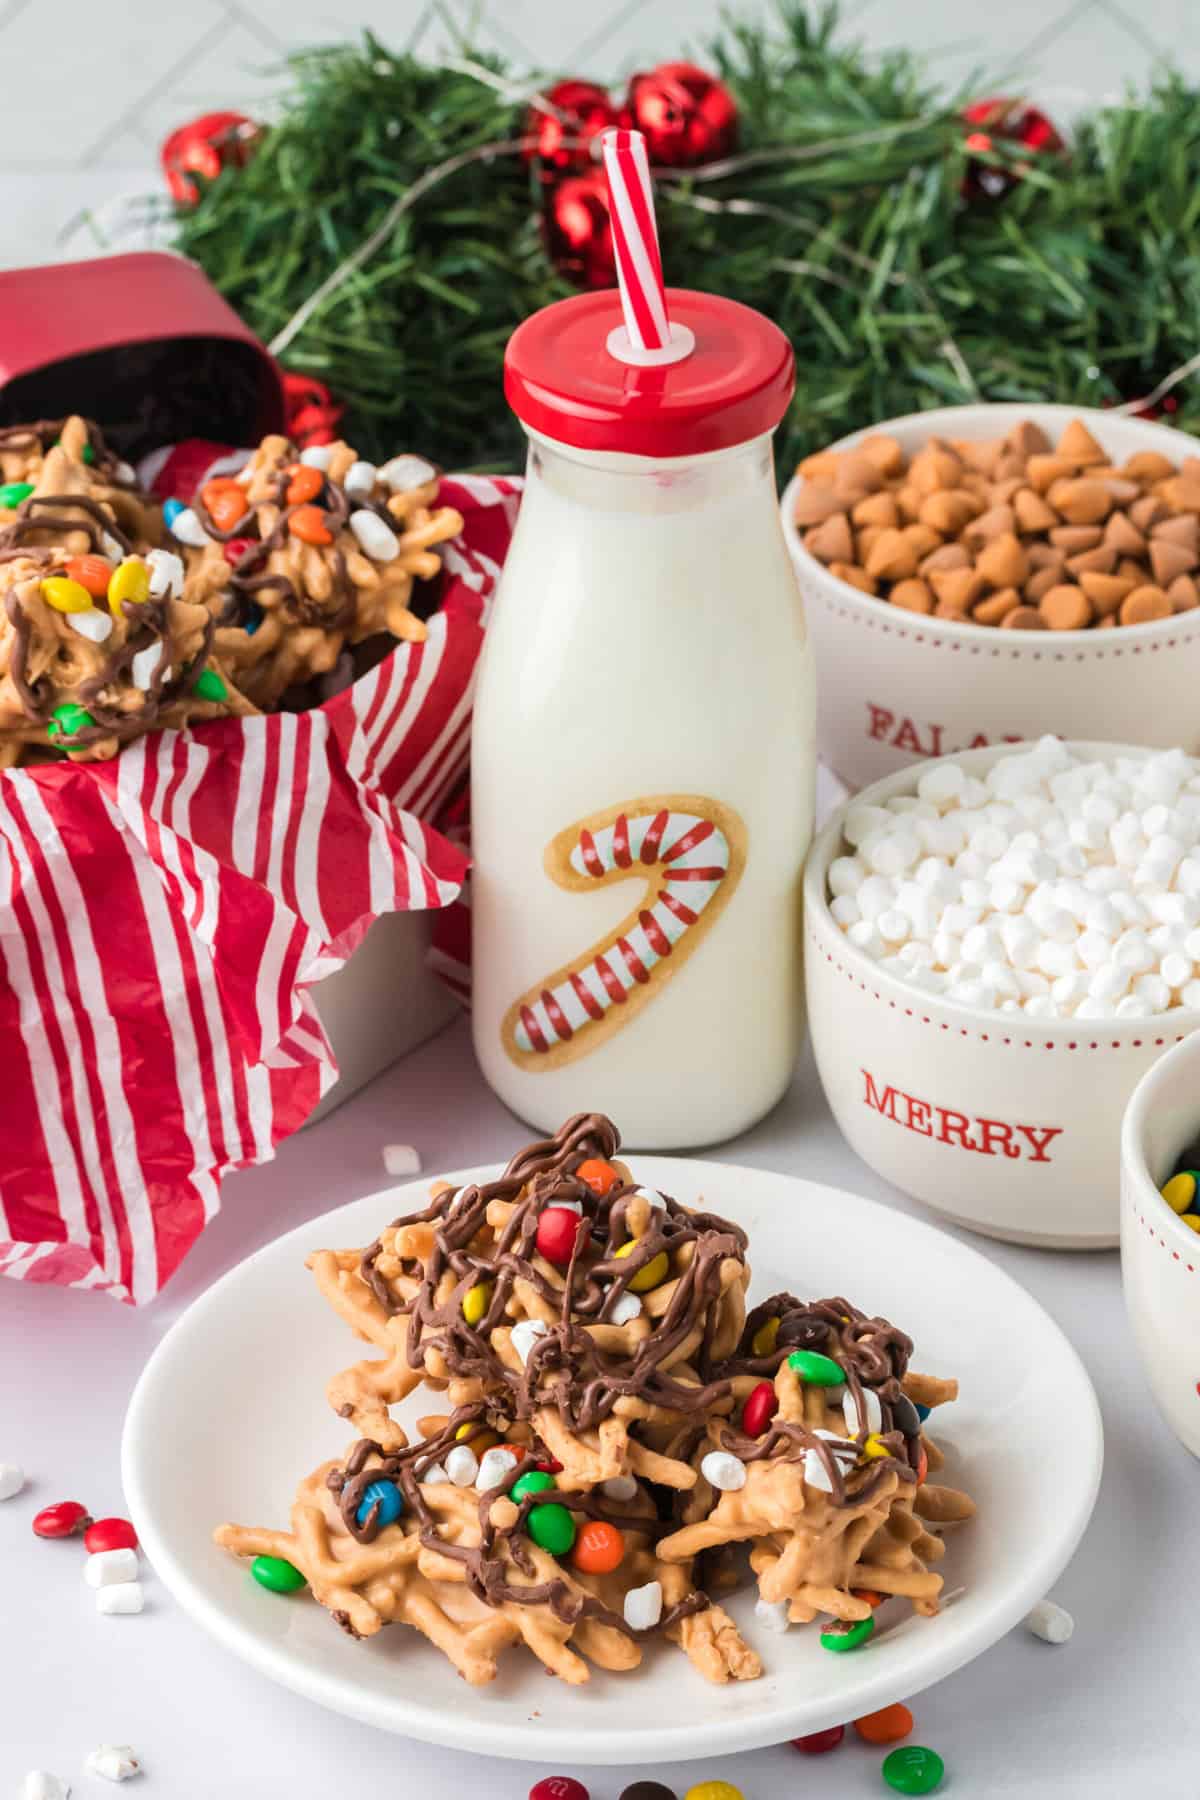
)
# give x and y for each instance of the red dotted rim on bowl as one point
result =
(1176, 1255)
(986, 1037)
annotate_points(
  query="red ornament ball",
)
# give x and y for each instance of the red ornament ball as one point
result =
(686, 114)
(109, 1534)
(1010, 122)
(557, 1230)
(558, 1787)
(61, 1520)
(579, 231)
(311, 413)
(561, 140)
(818, 1742)
(760, 1409)
(205, 146)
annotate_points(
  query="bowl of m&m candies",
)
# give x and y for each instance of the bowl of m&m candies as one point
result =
(1160, 1234)
(977, 575)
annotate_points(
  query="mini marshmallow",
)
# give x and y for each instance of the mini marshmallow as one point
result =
(433, 1476)
(525, 1334)
(109, 545)
(866, 938)
(144, 666)
(724, 1472)
(1050, 1622)
(115, 1762)
(846, 875)
(462, 1466)
(105, 1567)
(40, 1784)
(892, 926)
(643, 1606)
(359, 478)
(401, 1159)
(874, 1411)
(619, 1487)
(12, 1480)
(186, 527)
(626, 1309)
(121, 1597)
(772, 1615)
(845, 910)
(403, 473)
(374, 536)
(1190, 996)
(94, 625)
(1176, 969)
(166, 573)
(317, 456)
(494, 1465)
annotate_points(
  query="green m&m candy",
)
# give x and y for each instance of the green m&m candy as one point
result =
(274, 1573)
(820, 1370)
(13, 492)
(551, 1527)
(913, 1769)
(847, 1637)
(87, 455)
(209, 686)
(536, 1482)
(68, 719)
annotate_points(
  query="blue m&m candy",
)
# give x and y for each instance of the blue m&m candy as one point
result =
(172, 510)
(922, 1411)
(387, 1497)
(254, 618)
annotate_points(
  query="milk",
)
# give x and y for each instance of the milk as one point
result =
(643, 752)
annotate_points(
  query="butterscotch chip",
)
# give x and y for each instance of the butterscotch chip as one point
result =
(1001, 493)
(831, 541)
(908, 499)
(1040, 582)
(1144, 604)
(1183, 594)
(1183, 530)
(876, 509)
(1023, 618)
(1105, 592)
(947, 510)
(1129, 566)
(1032, 512)
(1190, 466)
(1027, 438)
(972, 482)
(1121, 492)
(884, 452)
(913, 596)
(1123, 535)
(1169, 559)
(981, 454)
(1147, 511)
(959, 588)
(990, 524)
(1046, 556)
(1078, 443)
(891, 557)
(1103, 557)
(855, 576)
(1147, 465)
(1081, 502)
(1181, 494)
(820, 467)
(944, 610)
(1002, 562)
(1009, 466)
(934, 466)
(869, 535)
(1071, 539)
(996, 606)
(1106, 624)
(946, 556)
(856, 474)
(1044, 471)
(815, 503)
(1066, 608)
(923, 538)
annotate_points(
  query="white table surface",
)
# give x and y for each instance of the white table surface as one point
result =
(1111, 1714)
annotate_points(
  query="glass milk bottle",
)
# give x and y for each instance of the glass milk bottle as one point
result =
(643, 758)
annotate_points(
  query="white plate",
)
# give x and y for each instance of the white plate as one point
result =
(230, 1414)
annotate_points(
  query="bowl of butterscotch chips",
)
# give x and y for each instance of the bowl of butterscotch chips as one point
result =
(984, 574)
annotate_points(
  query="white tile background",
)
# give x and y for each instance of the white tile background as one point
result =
(125, 74)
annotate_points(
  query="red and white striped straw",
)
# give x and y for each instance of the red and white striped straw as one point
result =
(649, 336)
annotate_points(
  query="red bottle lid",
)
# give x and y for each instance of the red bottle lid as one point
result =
(560, 378)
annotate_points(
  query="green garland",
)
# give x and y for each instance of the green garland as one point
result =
(1082, 284)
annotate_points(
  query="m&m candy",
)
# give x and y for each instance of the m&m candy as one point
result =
(12, 494)
(536, 1482)
(109, 1534)
(559, 1787)
(225, 502)
(63, 1519)
(551, 1527)
(305, 484)
(763, 1341)
(841, 1638)
(714, 1790)
(557, 1230)
(477, 1301)
(92, 573)
(209, 686)
(65, 595)
(171, 511)
(68, 719)
(601, 1177)
(760, 1409)
(818, 1742)
(817, 1370)
(599, 1548)
(913, 1770)
(234, 550)
(654, 1273)
(887, 1726)
(276, 1573)
(308, 524)
(384, 1499)
(1180, 1192)
(647, 1790)
(129, 582)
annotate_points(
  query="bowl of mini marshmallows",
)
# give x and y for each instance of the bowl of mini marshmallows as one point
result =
(1000, 945)
(983, 574)
(1160, 1239)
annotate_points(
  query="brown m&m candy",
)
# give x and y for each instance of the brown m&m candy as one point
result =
(648, 1790)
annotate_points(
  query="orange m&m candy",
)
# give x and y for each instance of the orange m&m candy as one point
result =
(869, 1595)
(92, 573)
(599, 1175)
(308, 524)
(305, 484)
(922, 1464)
(225, 502)
(599, 1548)
(887, 1726)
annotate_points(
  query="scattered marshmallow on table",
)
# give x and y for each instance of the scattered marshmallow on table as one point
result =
(1050, 1622)
(40, 1784)
(120, 1597)
(12, 1480)
(115, 1762)
(108, 1567)
(1053, 886)
(402, 1159)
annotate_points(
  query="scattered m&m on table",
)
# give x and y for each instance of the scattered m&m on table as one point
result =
(887, 1726)
(647, 1790)
(109, 1534)
(559, 1787)
(714, 1790)
(913, 1770)
(819, 1743)
(64, 1519)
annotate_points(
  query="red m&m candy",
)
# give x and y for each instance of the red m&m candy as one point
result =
(109, 1534)
(818, 1742)
(558, 1787)
(557, 1231)
(235, 549)
(760, 1409)
(63, 1519)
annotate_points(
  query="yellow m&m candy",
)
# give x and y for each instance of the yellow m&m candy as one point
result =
(65, 595)
(130, 581)
(478, 1299)
(654, 1273)
(875, 1447)
(763, 1341)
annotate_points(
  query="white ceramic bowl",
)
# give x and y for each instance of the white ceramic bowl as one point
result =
(1005, 1124)
(1160, 1255)
(894, 687)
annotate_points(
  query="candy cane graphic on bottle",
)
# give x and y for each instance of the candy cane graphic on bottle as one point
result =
(690, 852)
